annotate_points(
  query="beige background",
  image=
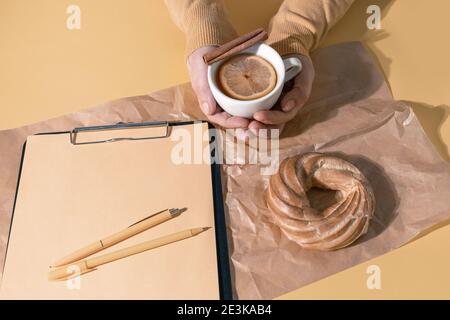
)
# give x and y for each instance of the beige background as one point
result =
(127, 48)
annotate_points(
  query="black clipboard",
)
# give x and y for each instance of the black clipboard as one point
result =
(223, 265)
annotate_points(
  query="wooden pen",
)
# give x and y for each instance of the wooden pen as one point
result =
(88, 265)
(120, 236)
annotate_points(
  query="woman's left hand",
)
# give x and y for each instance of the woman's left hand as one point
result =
(290, 103)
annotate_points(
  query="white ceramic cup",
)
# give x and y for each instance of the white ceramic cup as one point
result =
(286, 69)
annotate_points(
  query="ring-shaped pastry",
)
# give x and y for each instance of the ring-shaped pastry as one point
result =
(333, 228)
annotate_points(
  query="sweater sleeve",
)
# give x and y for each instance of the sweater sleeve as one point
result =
(299, 25)
(204, 22)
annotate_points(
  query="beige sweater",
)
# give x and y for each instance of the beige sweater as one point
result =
(297, 27)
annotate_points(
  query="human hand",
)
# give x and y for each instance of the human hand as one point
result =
(199, 79)
(290, 103)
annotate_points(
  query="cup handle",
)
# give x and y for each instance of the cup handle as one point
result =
(293, 67)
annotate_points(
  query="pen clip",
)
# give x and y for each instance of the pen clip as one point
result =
(148, 217)
(174, 212)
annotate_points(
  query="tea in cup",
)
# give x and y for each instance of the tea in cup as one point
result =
(251, 80)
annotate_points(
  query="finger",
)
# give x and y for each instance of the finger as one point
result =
(198, 72)
(295, 99)
(205, 98)
(226, 121)
(301, 90)
(256, 126)
(275, 117)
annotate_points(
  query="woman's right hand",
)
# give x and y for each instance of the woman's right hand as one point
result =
(198, 72)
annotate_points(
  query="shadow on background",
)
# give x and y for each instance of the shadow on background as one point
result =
(386, 196)
(432, 118)
(353, 27)
(251, 14)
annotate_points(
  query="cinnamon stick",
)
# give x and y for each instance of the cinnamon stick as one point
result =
(234, 46)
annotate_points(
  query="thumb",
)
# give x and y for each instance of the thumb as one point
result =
(198, 72)
(299, 94)
(205, 98)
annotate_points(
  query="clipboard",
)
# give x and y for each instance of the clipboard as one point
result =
(117, 147)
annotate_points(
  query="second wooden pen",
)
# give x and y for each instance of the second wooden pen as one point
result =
(134, 229)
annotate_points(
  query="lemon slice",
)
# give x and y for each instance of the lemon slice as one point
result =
(247, 77)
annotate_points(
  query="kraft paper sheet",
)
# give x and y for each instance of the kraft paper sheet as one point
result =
(351, 112)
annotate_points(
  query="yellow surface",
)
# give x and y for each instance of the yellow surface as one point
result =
(126, 48)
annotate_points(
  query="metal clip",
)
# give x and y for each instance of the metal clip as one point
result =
(119, 126)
